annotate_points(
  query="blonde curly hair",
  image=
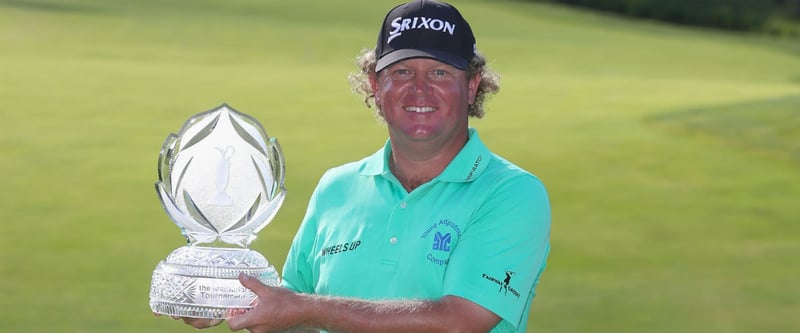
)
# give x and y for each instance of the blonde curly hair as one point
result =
(490, 81)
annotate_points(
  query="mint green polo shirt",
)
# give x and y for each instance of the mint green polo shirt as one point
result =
(480, 231)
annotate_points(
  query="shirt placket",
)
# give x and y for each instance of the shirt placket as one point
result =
(393, 237)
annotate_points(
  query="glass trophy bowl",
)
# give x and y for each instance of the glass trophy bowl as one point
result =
(220, 179)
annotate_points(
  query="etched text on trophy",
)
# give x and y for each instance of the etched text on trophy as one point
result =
(212, 292)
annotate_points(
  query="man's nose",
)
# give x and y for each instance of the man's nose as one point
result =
(421, 84)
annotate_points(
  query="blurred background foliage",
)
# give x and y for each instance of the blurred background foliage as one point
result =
(775, 17)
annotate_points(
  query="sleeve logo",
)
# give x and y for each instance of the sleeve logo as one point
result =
(505, 285)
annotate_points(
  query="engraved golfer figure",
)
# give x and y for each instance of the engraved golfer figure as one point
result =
(223, 173)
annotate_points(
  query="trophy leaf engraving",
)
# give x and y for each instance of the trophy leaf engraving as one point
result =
(221, 177)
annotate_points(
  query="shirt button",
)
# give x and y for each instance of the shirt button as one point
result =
(393, 240)
(403, 204)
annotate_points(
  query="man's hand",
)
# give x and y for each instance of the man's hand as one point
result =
(274, 309)
(198, 323)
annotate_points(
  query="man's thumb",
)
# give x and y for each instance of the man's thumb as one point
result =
(252, 283)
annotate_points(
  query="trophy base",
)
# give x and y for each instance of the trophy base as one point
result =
(202, 282)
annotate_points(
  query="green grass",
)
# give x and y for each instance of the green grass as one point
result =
(770, 127)
(670, 153)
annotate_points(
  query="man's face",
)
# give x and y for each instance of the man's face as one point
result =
(424, 99)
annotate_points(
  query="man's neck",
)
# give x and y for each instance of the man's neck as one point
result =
(414, 166)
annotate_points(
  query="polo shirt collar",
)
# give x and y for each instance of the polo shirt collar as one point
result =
(468, 164)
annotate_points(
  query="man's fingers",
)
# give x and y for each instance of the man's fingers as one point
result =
(236, 321)
(237, 318)
(200, 323)
(253, 284)
(193, 322)
(235, 312)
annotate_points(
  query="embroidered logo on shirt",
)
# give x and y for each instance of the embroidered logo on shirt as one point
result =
(505, 284)
(339, 248)
(474, 167)
(442, 242)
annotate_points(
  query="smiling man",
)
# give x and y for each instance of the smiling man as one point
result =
(433, 232)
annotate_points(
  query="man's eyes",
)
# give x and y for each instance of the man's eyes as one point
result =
(404, 72)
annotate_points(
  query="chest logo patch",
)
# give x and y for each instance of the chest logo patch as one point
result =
(441, 242)
(441, 236)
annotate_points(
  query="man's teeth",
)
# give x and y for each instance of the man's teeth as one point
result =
(420, 109)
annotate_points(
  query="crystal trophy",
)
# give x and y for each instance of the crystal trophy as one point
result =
(220, 179)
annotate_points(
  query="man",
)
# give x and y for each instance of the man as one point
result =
(432, 233)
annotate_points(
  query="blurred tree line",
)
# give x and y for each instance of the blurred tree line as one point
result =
(778, 17)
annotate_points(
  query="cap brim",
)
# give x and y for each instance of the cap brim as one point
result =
(397, 55)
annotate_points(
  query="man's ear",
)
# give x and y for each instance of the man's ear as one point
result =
(373, 82)
(472, 85)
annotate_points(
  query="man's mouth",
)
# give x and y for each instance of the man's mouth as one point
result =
(420, 109)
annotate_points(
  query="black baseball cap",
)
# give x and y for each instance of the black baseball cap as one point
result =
(425, 29)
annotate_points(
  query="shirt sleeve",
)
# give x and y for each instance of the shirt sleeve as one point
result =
(297, 269)
(499, 258)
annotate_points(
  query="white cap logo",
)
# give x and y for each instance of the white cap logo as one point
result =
(401, 24)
